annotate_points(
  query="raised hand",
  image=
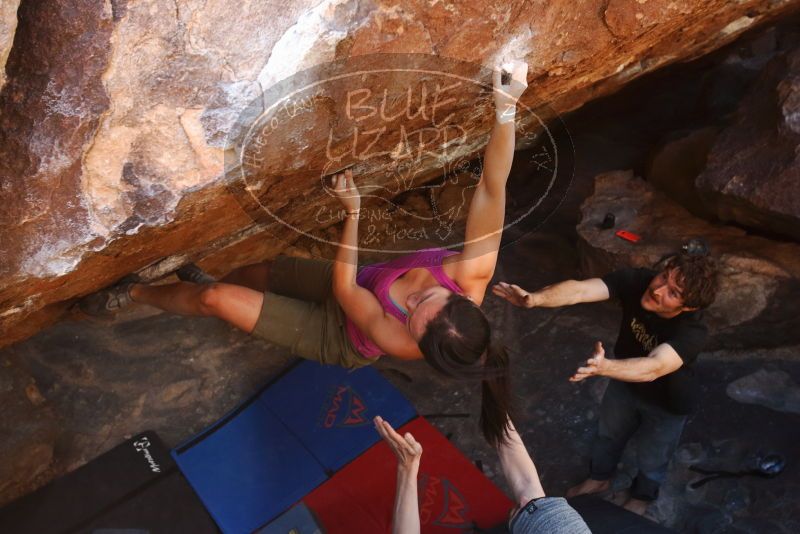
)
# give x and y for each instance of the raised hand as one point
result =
(513, 294)
(506, 96)
(345, 190)
(407, 450)
(594, 365)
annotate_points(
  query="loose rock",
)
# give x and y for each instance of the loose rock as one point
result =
(773, 389)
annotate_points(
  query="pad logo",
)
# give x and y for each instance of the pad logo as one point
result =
(441, 503)
(143, 445)
(344, 408)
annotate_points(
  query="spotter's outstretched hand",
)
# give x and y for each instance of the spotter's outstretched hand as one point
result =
(513, 294)
(407, 450)
(594, 365)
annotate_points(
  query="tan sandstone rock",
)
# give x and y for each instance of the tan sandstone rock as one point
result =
(116, 118)
(8, 25)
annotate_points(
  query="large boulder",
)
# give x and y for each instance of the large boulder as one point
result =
(676, 163)
(753, 171)
(8, 25)
(117, 117)
(757, 304)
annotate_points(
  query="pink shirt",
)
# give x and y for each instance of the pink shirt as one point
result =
(380, 276)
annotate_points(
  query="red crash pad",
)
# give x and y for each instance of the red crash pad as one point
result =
(453, 494)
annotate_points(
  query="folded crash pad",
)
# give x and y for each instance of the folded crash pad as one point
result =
(167, 506)
(248, 468)
(330, 409)
(133, 487)
(453, 494)
(296, 520)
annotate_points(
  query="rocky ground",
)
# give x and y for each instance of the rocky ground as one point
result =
(76, 389)
(97, 384)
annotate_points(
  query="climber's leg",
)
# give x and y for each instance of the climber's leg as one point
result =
(238, 305)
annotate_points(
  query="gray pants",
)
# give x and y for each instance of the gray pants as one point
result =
(621, 414)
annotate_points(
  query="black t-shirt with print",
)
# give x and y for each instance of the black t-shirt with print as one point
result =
(641, 331)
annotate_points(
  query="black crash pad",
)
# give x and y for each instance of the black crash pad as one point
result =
(133, 488)
(604, 517)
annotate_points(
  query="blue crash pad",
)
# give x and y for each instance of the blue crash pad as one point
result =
(296, 520)
(248, 468)
(330, 409)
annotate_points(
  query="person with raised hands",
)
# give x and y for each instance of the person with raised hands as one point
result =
(409, 454)
(534, 513)
(653, 388)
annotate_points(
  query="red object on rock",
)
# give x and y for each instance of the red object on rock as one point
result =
(628, 236)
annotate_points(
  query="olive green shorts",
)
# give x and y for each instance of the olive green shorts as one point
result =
(301, 313)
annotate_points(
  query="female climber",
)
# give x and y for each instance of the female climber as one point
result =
(422, 305)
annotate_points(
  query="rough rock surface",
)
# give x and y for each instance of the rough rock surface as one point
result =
(114, 116)
(106, 381)
(678, 162)
(176, 375)
(756, 305)
(753, 172)
(8, 25)
(774, 389)
(29, 427)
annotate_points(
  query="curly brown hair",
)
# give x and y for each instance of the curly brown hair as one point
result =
(698, 277)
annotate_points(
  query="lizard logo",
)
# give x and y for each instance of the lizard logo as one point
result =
(411, 126)
(441, 503)
(345, 408)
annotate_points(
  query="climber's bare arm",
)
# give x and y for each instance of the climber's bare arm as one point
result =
(474, 267)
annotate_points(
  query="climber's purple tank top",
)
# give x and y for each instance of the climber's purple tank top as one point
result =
(379, 277)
